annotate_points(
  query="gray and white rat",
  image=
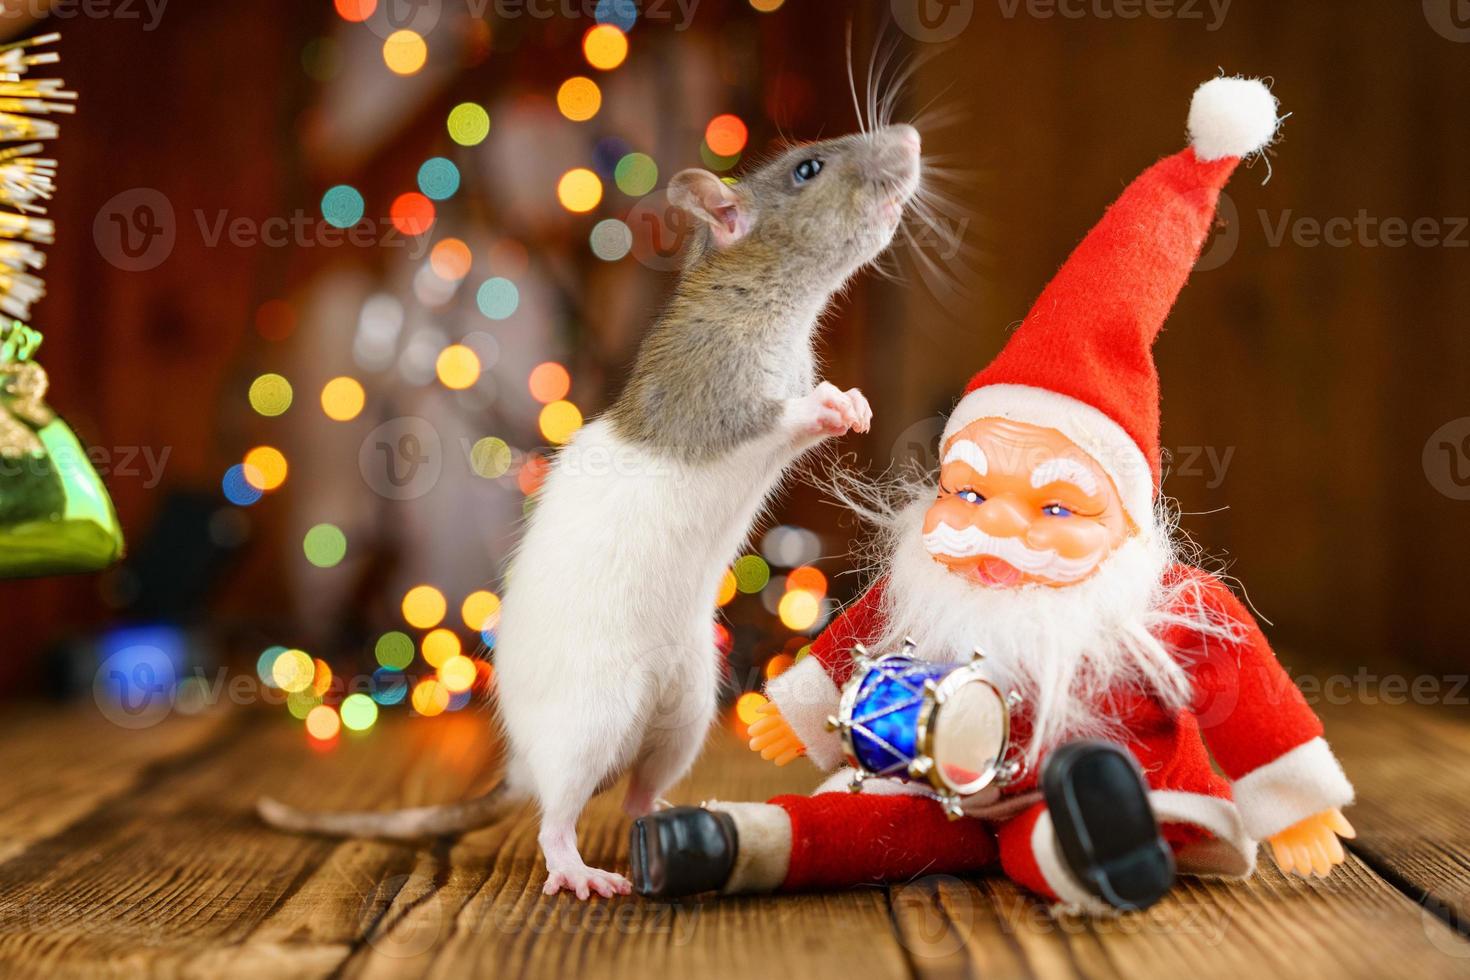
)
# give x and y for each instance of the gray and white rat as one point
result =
(605, 658)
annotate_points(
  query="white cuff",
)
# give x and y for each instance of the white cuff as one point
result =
(806, 697)
(1304, 781)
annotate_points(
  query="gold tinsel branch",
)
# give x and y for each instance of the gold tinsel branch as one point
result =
(27, 180)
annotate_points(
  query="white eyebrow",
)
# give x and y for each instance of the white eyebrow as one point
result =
(970, 454)
(1060, 469)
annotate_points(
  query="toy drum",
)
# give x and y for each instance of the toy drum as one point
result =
(945, 725)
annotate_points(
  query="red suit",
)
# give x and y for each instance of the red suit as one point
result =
(1245, 711)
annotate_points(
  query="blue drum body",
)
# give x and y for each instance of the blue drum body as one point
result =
(885, 713)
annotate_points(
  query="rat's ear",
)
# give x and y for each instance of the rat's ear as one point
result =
(714, 202)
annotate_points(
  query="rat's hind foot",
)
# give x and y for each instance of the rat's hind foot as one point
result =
(584, 881)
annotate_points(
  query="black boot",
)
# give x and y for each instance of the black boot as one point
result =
(1105, 826)
(682, 851)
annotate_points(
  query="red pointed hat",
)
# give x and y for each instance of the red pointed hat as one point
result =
(1082, 360)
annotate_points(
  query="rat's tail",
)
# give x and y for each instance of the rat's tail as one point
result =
(410, 823)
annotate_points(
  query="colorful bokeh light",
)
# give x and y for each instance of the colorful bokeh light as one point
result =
(322, 723)
(636, 174)
(610, 239)
(468, 124)
(748, 706)
(343, 399)
(457, 367)
(325, 545)
(265, 468)
(293, 671)
(439, 645)
(728, 588)
(237, 487)
(450, 259)
(394, 650)
(726, 135)
(457, 674)
(270, 395)
(549, 382)
(404, 52)
(430, 697)
(799, 610)
(498, 298)
(605, 47)
(480, 610)
(751, 573)
(579, 190)
(355, 11)
(438, 178)
(343, 206)
(412, 213)
(359, 712)
(579, 98)
(424, 607)
(490, 457)
(559, 421)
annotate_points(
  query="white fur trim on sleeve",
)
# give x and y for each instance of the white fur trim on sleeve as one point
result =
(807, 697)
(1304, 781)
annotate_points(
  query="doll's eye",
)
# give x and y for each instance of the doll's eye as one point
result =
(1056, 510)
(806, 170)
(970, 497)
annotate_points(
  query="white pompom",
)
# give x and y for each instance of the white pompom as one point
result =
(1231, 117)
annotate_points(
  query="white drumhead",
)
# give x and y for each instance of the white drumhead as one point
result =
(971, 730)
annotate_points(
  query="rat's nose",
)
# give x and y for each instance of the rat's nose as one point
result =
(907, 134)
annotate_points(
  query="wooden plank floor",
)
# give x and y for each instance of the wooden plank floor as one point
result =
(135, 853)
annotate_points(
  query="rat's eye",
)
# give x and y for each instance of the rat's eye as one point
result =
(806, 170)
(970, 497)
(1056, 510)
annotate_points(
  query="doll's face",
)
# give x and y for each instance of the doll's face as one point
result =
(1020, 504)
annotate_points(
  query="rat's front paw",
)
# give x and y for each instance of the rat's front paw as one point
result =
(829, 411)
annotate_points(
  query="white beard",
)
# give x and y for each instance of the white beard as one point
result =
(1065, 649)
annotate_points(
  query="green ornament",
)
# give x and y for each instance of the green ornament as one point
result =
(55, 515)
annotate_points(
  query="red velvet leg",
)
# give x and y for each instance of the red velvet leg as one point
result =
(844, 839)
(1017, 859)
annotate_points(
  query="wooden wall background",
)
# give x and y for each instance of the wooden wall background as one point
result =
(1322, 371)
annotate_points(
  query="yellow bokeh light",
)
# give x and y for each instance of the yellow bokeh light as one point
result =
(727, 589)
(480, 609)
(579, 98)
(440, 646)
(579, 190)
(322, 723)
(798, 610)
(605, 47)
(293, 671)
(458, 367)
(457, 674)
(430, 698)
(778, 665)
(270, 395)
(766, 6)
(748, 706)
(560, 421)
(424, 606)
(265, 468)
(404, 52)
(343, 398)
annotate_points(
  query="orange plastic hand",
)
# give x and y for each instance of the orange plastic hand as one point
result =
(772, 736)
(1311, 846)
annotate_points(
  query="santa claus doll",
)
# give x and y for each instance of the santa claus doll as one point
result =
(1044, 544)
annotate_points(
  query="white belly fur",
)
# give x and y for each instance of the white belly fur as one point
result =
(606, 643)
